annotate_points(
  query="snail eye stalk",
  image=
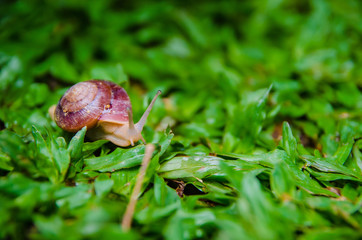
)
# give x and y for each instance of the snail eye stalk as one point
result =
(141, 123)
(133, 133)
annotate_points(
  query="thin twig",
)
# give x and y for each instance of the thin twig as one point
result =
(128, 216)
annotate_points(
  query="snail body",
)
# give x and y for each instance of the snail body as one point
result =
(104, 108)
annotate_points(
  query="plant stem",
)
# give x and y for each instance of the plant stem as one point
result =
(128, 216)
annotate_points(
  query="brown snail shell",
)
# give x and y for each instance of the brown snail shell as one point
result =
(104, 108)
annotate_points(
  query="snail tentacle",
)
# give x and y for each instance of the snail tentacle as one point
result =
(141, 123)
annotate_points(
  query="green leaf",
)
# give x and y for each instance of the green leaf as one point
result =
(289, 143)
(60, 67)
(309, 184)
(12, 145)
(112, 73)
(73, 197)
(5, 162)
(357, 157)
(103, 184)
(37, 94)
(267, 159)
(327, 165)
(61, 158)
(335, 233)
(348, 94)
(118, 159)
(44, 160)
(282, 182)
(165, 141)
(124, 158)
(76, 144)
(123, 180)
(350, 192)
(52, 156)
(89, 147)
(246, 121)
(200, 167)
(51, 227)
(190, 167)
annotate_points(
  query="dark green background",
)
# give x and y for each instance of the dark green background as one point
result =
(263, 99)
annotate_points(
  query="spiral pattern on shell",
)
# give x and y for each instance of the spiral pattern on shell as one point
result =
(85, 103)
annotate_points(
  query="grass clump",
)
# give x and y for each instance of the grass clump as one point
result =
(257, 136)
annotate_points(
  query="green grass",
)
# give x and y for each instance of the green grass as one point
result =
(257, 135)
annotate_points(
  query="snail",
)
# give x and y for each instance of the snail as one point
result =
(104, 108)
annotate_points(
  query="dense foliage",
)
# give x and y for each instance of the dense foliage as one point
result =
(258, 133)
